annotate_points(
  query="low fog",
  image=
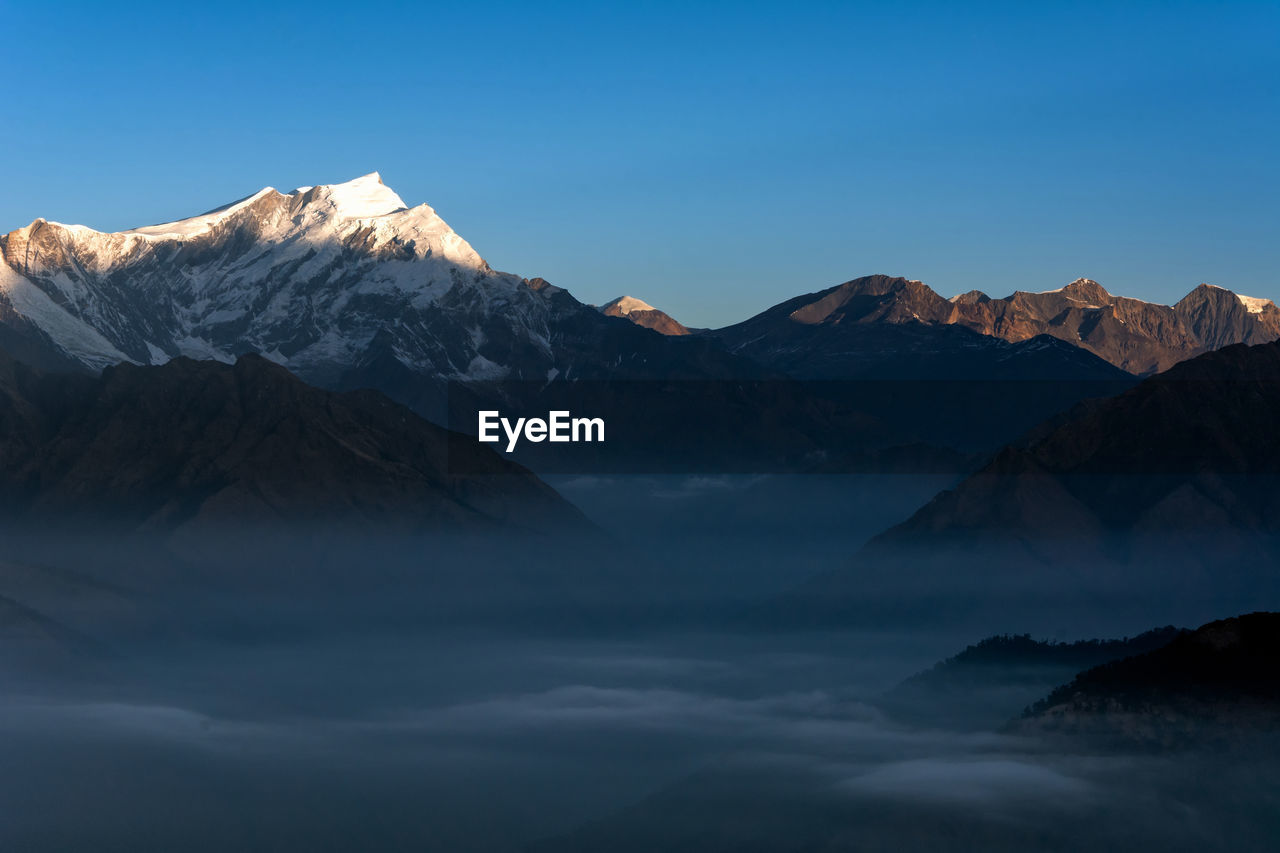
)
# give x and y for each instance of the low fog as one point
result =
(659, 684)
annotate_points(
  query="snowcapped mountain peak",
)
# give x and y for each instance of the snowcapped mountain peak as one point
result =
(626, 304)
(313, 278)
(364, 197)
(643, 314)
(1088, 293)
(1252, 304)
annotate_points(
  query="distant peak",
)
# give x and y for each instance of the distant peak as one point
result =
(972, 297)
(883, 285)
(1252, 304)
(1087, 290)
(625, 305)
(1210, 291)
(642, 314)
(361, 198)
(880, 279)
(1085, 284)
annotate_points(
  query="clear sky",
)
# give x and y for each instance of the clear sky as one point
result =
(710, 158)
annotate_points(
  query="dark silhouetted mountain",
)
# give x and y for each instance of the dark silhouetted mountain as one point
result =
(1018, 650)
(643, 314)
(1164, 496)
(1215, 683)
(988, 682)
(1192, 448)
(1138, 337)
(195, 441)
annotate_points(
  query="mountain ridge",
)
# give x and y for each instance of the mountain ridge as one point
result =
(1139, 337)
(189, 442)
(331, 279)
(1183, 447)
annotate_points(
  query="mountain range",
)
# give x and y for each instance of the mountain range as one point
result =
(1138, 337)
(345, 285)
(348, 286)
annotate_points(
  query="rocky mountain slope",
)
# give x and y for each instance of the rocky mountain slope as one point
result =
(643, 314)
(1138, 337)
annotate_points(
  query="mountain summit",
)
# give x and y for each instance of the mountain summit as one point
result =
(344, 284)
(308, 278)
(643, 314)
(366, 197)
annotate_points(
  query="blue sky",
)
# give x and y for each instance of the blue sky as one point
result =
(710, 158)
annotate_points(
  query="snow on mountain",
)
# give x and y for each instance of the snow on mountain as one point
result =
(1087, 282)
(624, 305)
(643, 314)
(310, 278)
(345, 285)
(1254, 304)
(78, 339)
